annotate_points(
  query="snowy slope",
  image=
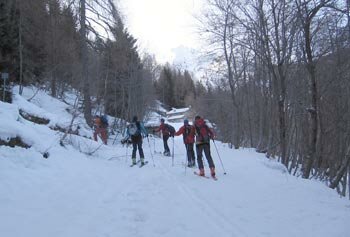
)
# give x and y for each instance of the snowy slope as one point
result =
(72, 194)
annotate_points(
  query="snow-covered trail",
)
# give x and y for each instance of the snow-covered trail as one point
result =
(71, 194)
(67, 195)
(100, 197)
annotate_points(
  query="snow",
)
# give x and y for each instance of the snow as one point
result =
(153, 119)
(176, 117)
(177, 110)
(159, 107)
(74, 194)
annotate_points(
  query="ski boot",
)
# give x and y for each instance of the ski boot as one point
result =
(212, 172)
(133, 161)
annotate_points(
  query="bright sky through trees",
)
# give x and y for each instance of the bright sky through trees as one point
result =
(162, 27)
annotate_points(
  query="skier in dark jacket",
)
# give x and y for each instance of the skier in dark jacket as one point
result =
(188, 132)
(136, 131)
(163, 127)
(203, 136)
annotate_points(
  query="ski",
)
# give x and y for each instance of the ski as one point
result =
(196, 173)
(145, 163)
(135, 164)
(207, 177)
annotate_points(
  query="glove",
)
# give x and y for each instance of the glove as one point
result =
(124, 140)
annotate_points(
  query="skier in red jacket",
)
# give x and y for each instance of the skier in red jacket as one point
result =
(203, 136)
(100, 129)
(188, 132)
(166, 133)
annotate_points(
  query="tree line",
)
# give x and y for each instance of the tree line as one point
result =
(77, 45)
(279, 82)
(85, 46)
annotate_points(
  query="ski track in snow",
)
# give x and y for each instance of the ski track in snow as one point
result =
(105, 197)
(213, 216)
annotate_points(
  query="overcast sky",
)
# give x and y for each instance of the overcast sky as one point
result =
(165, 28)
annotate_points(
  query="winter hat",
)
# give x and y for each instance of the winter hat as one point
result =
(134, 119)
(162, 120)
(197, 117)
(186, 121)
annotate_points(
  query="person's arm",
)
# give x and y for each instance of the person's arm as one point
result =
(127, 136)
(158, 129)
(143, 130)
(127, 133)
(211, 133)
(181, 131)
(161, 128)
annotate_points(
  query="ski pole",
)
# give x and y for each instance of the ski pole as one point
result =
(126, 152)
(115, 139)
(173, 152)
(186, 163)
(150, 150)
(219, 157)
(115, 157)
(154, 144)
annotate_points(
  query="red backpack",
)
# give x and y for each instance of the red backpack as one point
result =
(188, 135)
(203, 132)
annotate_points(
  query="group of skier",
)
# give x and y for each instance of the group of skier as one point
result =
(199, 133)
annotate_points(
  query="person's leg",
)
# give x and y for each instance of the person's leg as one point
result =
(191, 154)
(95, 135)
(188, 155)
(209, 159)
(142, 156)
(166, 147)
(104, 135)
(165, 144)
(199, 149)
(133, 156)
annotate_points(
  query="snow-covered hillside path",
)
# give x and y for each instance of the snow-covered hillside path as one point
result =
(71, 194)
(95, 196)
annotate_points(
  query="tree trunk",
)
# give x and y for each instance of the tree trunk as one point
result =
(311, 68)
(20, 48)
(341, 172)
(84, 61)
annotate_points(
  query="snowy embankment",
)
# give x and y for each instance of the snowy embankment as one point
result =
(73, 194)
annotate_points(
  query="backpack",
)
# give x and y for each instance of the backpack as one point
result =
(170, 129)
(104, 121)
(187, 131)
(203, 133)
(134, 130)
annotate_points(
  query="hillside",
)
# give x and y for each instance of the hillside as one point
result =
(85, 188)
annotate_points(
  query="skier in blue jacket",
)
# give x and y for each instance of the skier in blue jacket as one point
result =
(136, 130)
